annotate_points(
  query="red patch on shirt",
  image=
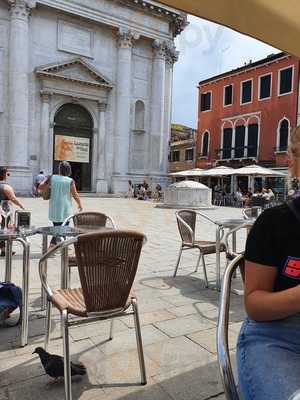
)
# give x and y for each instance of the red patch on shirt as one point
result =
(292, 268)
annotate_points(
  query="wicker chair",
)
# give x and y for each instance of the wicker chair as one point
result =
(89, 219)
(229, 385)
(186, 221)
(107, 265)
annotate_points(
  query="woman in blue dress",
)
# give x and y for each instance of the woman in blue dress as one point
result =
(63, 189)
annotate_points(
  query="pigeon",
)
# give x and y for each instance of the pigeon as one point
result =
(54, 364)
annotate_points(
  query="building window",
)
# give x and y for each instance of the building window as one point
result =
(239, 141)
(265, 87)
(246, 96)
(175, 156)
(252, 140)
(285, 81)
(139, 123)
(227, 143)
(189, 154)
(206, 101)
(228, 95)
(205, 144)
(283, 135)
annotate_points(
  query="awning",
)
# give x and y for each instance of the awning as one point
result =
(219, 171)
(257, 170)
(189, 172)
(275, 22)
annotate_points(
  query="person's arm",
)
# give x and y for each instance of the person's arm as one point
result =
(262, 304)
(75, 196)
(42, 185)
(10, 194)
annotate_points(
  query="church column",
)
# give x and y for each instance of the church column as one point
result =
(122, 118)
(172, 57)
(101, 184)
(157, 107)
(18, 83)
(44, 143)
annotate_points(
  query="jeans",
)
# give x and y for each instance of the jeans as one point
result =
(268, 359)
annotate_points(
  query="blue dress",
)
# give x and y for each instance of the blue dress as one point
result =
(60, 203)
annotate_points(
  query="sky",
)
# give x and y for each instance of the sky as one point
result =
(207, 49)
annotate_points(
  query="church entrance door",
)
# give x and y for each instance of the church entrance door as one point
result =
(73, 142)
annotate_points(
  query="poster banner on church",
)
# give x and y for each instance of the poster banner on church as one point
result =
(72, 148)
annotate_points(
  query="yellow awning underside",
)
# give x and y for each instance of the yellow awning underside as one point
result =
(276, 22)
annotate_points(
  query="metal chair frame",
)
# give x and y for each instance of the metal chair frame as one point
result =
(71, 217)
(192, 245)
(229, 385)
(91, 317)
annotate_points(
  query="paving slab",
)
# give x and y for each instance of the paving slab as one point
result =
(207, 340)
(184, 325)
(175, 353)
(126, 340)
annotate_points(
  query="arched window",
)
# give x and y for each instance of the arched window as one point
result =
(139, 123)
(283, 137)
(205, 144)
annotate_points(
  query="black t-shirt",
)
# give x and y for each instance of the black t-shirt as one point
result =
(274, 241)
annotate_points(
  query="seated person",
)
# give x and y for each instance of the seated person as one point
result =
(158, 193)
(238, 195)
(141, 195)
(268, 349)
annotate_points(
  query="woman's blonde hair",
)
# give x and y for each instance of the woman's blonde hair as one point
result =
(294, 144)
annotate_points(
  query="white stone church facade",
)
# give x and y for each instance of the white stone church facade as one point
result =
(89, 81)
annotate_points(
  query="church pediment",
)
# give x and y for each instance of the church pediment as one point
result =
(75, 70)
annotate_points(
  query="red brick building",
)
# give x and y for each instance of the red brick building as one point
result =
(245, 115)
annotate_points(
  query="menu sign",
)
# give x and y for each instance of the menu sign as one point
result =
(72, 148)
(22, 218)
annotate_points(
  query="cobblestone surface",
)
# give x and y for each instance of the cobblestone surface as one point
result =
(178, 317)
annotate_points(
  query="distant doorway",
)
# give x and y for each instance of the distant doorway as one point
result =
(73, 142)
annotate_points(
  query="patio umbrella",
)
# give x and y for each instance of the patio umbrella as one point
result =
(189, 172)
(257, 170)
(262, 19)
(219, 171)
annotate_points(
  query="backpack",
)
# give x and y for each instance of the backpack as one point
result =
(10, 300)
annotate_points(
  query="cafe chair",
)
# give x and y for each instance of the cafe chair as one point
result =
(90, 219)
(225, 367)
(251, 212)
(107, 265)
(186, 222)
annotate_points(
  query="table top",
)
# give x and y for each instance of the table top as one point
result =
(13, 233)
(233, 222)
(69, 231)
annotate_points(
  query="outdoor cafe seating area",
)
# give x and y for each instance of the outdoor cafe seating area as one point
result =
(98, 242)
(251, 185)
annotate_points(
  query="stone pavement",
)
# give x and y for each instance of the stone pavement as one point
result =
(178, 318)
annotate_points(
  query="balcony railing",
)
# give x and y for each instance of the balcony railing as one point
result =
(230, 153)
(280, 149)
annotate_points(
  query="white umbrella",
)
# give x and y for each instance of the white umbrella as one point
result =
(257, 170)
(189, 172)
(219, 171)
